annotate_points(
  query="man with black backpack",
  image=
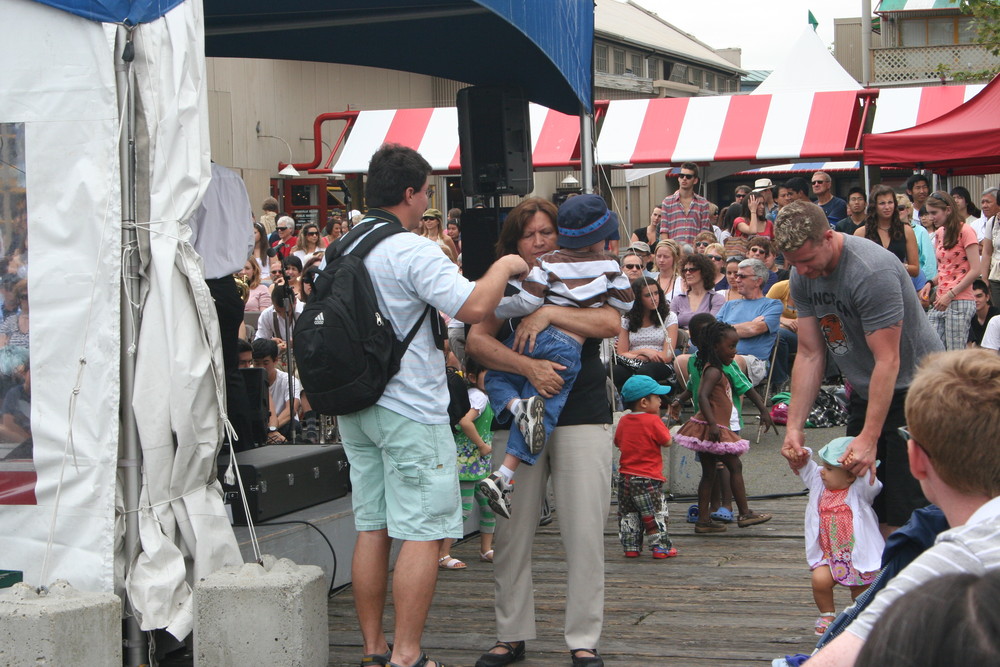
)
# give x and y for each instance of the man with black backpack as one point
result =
(402, 454)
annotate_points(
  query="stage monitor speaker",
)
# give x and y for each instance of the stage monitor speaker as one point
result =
(495, 141)
(480, 231)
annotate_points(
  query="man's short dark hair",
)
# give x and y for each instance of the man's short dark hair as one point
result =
(916, 178)
(980, 284)
(761, 242)
(858, 190)
(796, 184)
(691, 166)
(270, 204)
(282, 295)
(243, 346)
(265, 348)
(393, 169)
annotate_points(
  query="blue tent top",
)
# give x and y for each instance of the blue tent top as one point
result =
(544, 48)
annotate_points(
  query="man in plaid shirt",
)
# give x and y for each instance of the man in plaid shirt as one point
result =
(685, 213)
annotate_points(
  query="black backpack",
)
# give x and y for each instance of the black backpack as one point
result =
(345, 347)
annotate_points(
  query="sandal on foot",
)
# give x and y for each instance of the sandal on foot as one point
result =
(421, 662)
(487, 557)
(514, 651)
(377, 659)
(722, 514)
(448, 563)
(709, 527)
(586, 660)
(752, 519)
(692, 516)
(824, 621)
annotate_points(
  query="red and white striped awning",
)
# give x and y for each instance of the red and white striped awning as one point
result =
(555, 138)
(782, 126)
(900, 108)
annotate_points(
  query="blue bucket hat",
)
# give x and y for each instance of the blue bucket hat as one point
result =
(641, 386)
(584, 220)
(833, 450)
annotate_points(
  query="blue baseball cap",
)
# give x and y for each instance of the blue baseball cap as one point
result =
(641, 386)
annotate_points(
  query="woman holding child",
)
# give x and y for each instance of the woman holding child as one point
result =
(577, 457)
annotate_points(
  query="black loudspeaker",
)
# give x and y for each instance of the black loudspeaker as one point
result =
(255, 380)
(480, 231)
(495, 141)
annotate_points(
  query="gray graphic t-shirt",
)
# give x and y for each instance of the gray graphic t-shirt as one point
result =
(869, 290)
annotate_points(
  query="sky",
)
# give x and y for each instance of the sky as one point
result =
(764, 29)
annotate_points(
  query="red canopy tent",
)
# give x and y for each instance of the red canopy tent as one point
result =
(966, 140)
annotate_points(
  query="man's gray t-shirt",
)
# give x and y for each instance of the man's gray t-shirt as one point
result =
(869, 290)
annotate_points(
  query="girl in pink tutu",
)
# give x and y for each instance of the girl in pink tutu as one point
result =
(843, 542)
(708, 432)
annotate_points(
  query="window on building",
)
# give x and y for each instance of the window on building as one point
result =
(678, 73)
(601, 58)
(637, 65)
(667, 67)
(694, 76)
(710, 81)
(937, 31)
(619, 62)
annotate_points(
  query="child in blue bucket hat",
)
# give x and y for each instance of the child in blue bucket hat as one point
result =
(843, 542)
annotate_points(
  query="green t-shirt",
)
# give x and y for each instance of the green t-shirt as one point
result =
(739, 382)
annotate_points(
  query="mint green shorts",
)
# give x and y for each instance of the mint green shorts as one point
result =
(404, 475)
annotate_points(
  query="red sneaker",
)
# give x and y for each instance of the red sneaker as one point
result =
(631, 554)
(660, 552)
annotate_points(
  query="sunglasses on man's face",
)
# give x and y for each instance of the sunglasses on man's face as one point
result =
(283, 229)
(685, 176)
(633, 266)
(702, 244)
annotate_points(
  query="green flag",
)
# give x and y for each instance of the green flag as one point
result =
(812, 20)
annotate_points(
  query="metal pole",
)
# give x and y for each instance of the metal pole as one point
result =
(130, 455)
(866, 42)
(587, 151)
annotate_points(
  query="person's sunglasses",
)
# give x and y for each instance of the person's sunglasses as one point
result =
(714, 258)
(283, 229)
(741, 276)
(428, 217)
(690, 269)
(819, 182)
(312, 233)
(685, 176)
(702, 244)
(902, 207)
(633, 266)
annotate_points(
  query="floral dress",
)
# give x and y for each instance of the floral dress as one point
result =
(836, 539)
(472, 466)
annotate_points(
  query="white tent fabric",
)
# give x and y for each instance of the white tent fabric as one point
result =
(808, 66)
(60, 82)
(185, 533)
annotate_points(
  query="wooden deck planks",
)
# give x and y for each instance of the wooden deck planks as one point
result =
(739, 598)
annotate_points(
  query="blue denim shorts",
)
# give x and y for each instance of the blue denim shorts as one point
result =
(404, 475)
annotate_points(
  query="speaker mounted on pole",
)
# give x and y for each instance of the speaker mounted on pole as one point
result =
(494, 141)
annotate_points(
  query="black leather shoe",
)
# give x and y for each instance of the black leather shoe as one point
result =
(514, 653)
(586, 660)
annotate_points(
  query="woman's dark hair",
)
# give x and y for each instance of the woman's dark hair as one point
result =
(634, 317)
(733, 211)
(970, 206)
(710, 336)
(393, 169)
(292, 260)
(705, 267)
(309, 278)
(950, 620)
(517, 220)
(871, 221)
(262, 244)
(745, 209)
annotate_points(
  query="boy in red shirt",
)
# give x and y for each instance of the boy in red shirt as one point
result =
(642, 507)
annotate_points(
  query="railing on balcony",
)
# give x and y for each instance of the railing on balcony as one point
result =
(920, 64)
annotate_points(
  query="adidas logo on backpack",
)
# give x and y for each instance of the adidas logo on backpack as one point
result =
(345, 348)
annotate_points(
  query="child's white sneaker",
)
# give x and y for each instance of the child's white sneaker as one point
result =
(497, 491)
(531, 422)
